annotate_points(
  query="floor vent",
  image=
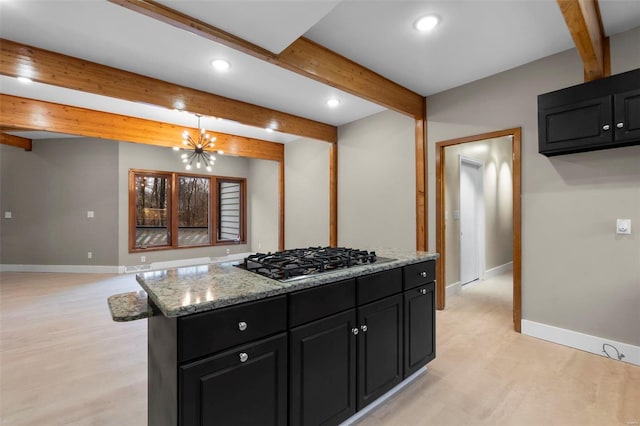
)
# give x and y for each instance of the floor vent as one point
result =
(137, 268)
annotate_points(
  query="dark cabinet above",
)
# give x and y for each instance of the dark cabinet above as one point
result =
(597, 115)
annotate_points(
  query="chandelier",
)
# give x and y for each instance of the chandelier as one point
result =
(197, 149)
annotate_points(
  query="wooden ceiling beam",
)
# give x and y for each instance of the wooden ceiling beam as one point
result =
(17, 141)
(73, 73)
(303, 57)
(585, 25)
(30, 114)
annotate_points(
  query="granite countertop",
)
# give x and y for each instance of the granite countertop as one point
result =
(187, 290)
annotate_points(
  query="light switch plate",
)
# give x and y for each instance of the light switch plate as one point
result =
(623, 226)
(90, 214)
(7, 215)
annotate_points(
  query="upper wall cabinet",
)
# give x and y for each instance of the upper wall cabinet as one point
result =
(600, 114)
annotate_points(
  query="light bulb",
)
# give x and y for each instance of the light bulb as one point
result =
(185, 134)
(185, 160)
(198, 164)
(185, 142)
(184, 155)
(176, 148)
(221, 152)
(208, 168)
(213, 158)
(188, 167)
(427, 23)
(199, 145)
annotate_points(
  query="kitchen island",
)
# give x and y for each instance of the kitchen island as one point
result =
(228, 346)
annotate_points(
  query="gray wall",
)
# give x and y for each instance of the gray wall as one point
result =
(577, 273)
(376, 182)
(49, 191)
(307, 193)
(147, 157)
(495, 154)
(263, 205)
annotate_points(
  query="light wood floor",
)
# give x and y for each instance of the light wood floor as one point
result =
(64, 362)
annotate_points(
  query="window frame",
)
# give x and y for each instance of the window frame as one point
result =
(172, 210)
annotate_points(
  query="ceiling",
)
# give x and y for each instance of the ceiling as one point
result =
(475, 39)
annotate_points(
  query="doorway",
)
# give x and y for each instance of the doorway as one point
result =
(445, 213)
(471, 220)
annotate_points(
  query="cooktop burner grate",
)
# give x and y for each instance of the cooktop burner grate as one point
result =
(288, 264)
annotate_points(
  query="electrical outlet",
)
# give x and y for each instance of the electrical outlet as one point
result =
(89, 255)
(90, 214)
(7, 215)
(143, 259)
(228, 251)
(623, 226)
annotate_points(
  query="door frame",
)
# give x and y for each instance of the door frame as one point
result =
(516, 134)
(479, 214)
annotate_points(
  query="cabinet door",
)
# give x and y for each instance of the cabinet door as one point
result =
(323, 370)
(575, 127)
(243, 386)
(379, 348)
(419, 331)
(627, 114)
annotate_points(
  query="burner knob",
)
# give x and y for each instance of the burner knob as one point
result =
(363, 328)
(242, 326)
(243, 357)
(354, 331)
(423, 274)
(423, 290)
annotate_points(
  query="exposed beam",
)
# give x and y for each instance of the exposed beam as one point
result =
(73, 73)
(333, 195)
(30, 114)
(421, 184)
(585, 25)
(17, 141)
(303, 56)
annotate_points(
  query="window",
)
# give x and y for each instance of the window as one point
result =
(151, 222)
(175, 210)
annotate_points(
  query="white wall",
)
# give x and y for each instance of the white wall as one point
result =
(306, 193)
(376, 182)
(576, 273)
(263, 205)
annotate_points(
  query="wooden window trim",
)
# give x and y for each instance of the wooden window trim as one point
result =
(172, 207)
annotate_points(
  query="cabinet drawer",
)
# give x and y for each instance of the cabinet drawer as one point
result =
(208, 332)
(419, 273)
(319, 302)
(379, 285)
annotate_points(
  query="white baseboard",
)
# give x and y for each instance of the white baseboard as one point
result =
(584, 342)
(453, 289)
(74, 269)
(489, 273)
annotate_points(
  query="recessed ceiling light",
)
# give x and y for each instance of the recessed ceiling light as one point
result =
(24, 80)
(427, 23)
(333, 102)
(220, 64)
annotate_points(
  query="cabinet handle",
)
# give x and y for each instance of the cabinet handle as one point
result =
(364, 328)
(354, 331)
(242, 326)
(620, 125)
(423, 274)
(423, 290)
(606, 127)
(243, 357)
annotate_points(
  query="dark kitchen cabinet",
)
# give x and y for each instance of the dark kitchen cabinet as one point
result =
(597, 115)
(323, 370)
(243, 386)
(419, 327)
(379, 348)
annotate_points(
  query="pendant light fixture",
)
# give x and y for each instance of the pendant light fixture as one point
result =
(197, 149)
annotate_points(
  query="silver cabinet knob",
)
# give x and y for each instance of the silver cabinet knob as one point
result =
(606, 127)
(620, 125)
(364, 328)
(242, 326)
(354, 331)
(423, 290)
(243, 357)
(423, 274)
